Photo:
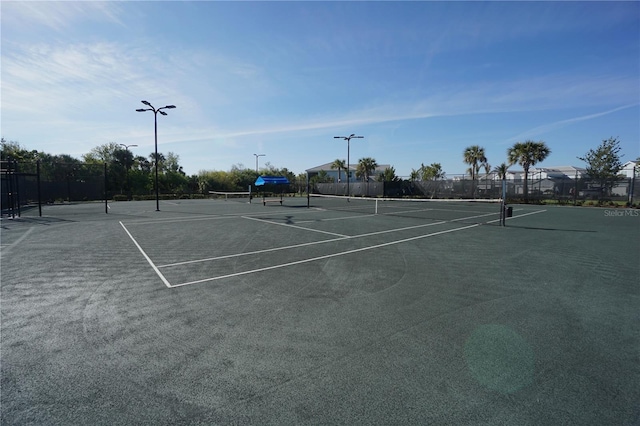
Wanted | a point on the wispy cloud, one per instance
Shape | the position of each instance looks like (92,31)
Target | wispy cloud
(59,15)
(515,96)
(546,128)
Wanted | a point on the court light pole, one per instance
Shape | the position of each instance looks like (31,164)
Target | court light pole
(155,123)
(126,165)
(258,155)
(348,139)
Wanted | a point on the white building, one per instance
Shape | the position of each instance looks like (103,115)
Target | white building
(628,169)
(558,172)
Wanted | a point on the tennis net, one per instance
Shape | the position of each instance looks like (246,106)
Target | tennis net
(241,196)
(454,210)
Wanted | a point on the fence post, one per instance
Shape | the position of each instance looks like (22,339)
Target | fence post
(17,188)
(632,184)
(575,190)
(106,206)
(38,188)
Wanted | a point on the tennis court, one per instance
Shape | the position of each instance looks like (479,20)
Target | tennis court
(221,311)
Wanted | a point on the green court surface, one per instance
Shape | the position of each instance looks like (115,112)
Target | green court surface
(223,312)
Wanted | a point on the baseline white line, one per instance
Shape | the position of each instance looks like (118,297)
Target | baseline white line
(297,227)
(8,247)
(164,280)
(313,259)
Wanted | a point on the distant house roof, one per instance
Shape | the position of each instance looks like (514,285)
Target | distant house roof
(327,168)
(277,180)
(567,170)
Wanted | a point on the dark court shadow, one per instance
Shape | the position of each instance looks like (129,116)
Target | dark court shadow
(550,229)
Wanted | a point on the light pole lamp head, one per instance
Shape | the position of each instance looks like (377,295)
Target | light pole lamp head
(146,103)
(142,110)
(170,106)
(162,112)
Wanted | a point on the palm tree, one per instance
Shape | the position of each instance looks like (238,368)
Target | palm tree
(527,154)
(487,169)
(474,157)
(340,165)
(366,166)
(501,170)
(388,175)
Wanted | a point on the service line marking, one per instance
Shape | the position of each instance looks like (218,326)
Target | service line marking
(169,285)
(327,256)
(332,240)
(297,227)
(520,215)
(341,238)
(164,280)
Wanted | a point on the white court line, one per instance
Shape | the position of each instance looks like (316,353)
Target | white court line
(313,259)
(332,240)
(164,280)
(207,217)
(297,227)
(336,218)
(369,234)
(177,219)
(8,247)
(520,215)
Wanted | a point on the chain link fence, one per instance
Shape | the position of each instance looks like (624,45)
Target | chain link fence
(561,190)
(29,184)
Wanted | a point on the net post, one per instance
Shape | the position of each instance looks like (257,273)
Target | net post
(250,195)
(106,206)
(503,205)
(17,188)
(308,192)
(39,190)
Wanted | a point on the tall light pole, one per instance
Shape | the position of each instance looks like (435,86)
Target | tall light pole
(155,122)
(258,155)
(126,168)
(348,139)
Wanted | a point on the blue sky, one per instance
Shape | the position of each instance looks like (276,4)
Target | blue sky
(420,81)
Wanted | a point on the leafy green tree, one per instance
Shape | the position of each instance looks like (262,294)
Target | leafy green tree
(475,157)
(321,177)
(388,175)
(527,154)
(415,175)
(172,164)
(432,172)
(242,177)
(340,165)
(105,153)
(366,167)
(11,150)
(604,163)
(301,182)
